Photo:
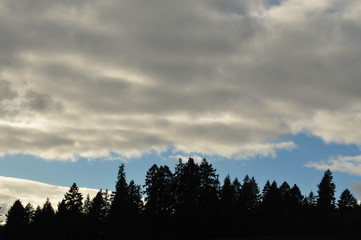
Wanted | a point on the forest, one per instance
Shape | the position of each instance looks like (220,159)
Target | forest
(191,202)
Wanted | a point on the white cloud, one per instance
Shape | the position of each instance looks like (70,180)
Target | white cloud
(98,79)
(32,192)
(346,164)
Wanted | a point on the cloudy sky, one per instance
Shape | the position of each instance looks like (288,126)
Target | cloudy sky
(269,88)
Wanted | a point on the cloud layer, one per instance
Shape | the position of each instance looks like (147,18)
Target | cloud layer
(346,164)
(97,78)
(32,192)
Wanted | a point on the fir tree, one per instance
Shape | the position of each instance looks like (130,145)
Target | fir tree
(29,213)
(250,196)
(347,202)
(208,193)
(70,213)
(326,192)
(16,221)
(135,199)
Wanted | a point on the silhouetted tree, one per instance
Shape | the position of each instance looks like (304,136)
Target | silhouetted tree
(326,192)
(310,201)
(272,207)
(208,189)
(285,192)
(70,213)
(29,213)
(16,221)
(73,201)
(86,205)
(120,212)
(135,199)
(187,184)
(227,197)
(188,204)
(272,199)
(296,199)
(265,190)
(120,204)
(159,192)
(250,196)
(347,202)
(237,197)
(44,221)
(96,216)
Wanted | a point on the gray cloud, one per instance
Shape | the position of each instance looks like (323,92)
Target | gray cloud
(226,78)
(41,102)
(6,91)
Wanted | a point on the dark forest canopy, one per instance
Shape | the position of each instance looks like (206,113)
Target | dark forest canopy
(189,202)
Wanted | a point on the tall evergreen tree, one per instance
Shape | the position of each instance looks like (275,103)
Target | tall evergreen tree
(135,199)
(16,221)
(272,200)
(347,202)
(29,213)
(70,213)
(87,205)
(120,204)
(237,196)
(310,201)
(187,185)
(44,221)
(96,216)
(73,201)
(250,196)
(296,199)
(120,212)
(265,190)
(159,192)
(326,193)
(152,188)
(285,192)
(227,197)
(208,192)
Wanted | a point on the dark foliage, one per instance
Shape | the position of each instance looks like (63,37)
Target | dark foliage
(190,204)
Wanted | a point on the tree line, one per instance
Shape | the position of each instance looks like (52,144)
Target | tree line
(189,202)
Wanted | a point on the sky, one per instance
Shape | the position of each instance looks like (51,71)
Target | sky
(268,88)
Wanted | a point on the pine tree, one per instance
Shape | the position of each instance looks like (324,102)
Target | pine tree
(347,202)
(120,208)
(187,186)
(250,196)
(73,201)
(120,204)
(96,216)
(135,199)
(310,201)
(326,192)
(227,197)
(272,200)
(285,192)
(70,213)
(265,190)
(237,196)
(208,193)
(87,205)
(296,199)
(29,213)
(16,221)
(153,190)
(44,221)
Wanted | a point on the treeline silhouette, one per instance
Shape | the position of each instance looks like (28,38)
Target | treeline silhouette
(189,203)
